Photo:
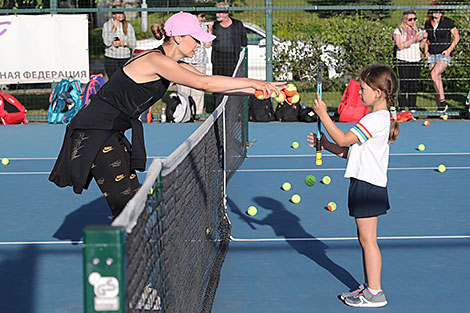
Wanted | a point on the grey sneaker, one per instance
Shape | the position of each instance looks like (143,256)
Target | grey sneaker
(353,293)
(366,300)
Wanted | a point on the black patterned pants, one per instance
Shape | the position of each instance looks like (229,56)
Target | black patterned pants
(111,171)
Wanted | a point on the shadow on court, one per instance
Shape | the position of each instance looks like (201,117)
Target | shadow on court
(17,270)
(94,213)
(287,225)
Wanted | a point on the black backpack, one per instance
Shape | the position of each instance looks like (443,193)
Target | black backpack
(180,108)
(260,110)
(307,115)
(286,112)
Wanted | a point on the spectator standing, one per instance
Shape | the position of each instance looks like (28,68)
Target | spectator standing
(439,49)
(230,37)
(408,39)
(119,40)
(199,62)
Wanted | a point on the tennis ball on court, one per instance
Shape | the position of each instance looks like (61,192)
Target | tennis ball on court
(252,210)
(441,168)
(426,123)
(259,94)
(421,147)
(326,180)
(295,199)
(331,206)
(295,145)
(208,231)
(5,161)
(290,90)
(280,98)
(294,98)
(445,117)
(310,180)
(286,186)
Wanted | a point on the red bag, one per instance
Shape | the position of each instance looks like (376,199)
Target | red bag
(11,110)
(351,109)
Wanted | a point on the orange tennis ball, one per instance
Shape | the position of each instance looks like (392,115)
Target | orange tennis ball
(259,94)
(426,123)
(290,90)
(293,99)
(281,97)
(331,206)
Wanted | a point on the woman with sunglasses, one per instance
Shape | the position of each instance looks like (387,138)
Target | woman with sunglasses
(408,40)
(439,48)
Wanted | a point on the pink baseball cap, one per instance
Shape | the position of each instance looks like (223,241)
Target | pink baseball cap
(182,23)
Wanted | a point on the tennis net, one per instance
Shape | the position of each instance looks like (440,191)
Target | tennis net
(177,227)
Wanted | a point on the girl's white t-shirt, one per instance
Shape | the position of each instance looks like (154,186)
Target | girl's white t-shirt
(410,54)
(368,158)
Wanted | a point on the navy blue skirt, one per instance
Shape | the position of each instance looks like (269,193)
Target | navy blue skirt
(367,200)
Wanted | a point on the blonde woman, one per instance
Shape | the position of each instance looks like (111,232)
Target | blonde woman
(408,39)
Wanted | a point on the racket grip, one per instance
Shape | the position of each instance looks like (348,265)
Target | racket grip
(318,160)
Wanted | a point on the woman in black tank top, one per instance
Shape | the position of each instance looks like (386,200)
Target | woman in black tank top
(94,144)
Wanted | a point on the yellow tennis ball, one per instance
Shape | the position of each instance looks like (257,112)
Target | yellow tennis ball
(286,186)
(331,206)
(5,161)
(252,210)
(273,94)
(295,145)
(421,147)
(326,180)
(280,98)
(441,168)
(295,198)
(445,117)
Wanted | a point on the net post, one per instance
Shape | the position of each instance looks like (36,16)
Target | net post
(104,269)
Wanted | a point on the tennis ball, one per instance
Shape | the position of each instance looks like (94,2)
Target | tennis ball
(5,161)
(290,90)
(208,231)
(295,145)
(273,94)
(259,94)
(310,180)
(426,123)
(151,191)
(280,98)
(252,210)
(294,98)
(295,199)
(286,186)
(326,180)
(331,206)
(441,168)
(421,147)
(445,117)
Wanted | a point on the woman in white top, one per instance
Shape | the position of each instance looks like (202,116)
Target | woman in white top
(409,40)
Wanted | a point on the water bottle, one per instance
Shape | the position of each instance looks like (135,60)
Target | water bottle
(163,117)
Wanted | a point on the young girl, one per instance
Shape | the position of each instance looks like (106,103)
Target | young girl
(366,147)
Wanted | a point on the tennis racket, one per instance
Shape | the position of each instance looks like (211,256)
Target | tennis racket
(318,160)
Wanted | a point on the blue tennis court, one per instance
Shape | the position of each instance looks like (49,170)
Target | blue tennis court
(287,258)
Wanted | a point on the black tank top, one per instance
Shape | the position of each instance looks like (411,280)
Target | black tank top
(130,97)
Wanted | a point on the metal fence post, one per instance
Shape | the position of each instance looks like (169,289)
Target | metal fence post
(269,40)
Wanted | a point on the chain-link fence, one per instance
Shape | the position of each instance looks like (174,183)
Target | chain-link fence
(285,40)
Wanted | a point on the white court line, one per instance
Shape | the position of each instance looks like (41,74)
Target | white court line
(343,168)
(11,243)
(332,155)
(345,238)
(284,170)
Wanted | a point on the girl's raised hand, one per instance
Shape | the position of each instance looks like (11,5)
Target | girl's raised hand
(319,106)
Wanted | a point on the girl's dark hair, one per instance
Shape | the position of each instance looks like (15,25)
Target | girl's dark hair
(381,77)
(158,31)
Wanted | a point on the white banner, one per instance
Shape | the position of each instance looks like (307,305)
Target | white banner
(43,48)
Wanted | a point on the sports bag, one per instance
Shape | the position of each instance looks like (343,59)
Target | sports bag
(351,109)
(287,112)
(64,101)
(92,87)
(11,110)
(307,114)
(180,108)
(260,110)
